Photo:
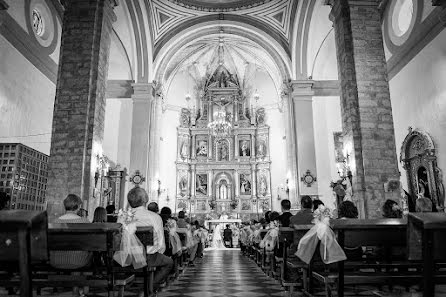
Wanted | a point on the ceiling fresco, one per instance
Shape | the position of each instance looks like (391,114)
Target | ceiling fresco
(170,17)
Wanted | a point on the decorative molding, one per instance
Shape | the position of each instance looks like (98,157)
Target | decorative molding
(422,35)
(29,48)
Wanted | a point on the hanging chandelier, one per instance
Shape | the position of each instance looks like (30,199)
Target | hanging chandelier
(220,127)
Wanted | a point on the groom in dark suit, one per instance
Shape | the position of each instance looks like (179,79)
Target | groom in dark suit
(227,236)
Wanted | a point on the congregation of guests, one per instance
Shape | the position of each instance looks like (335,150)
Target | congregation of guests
(166,247)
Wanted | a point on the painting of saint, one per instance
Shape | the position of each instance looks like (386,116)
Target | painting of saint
(245,185)
(244,148)
(202,148)
(202,184)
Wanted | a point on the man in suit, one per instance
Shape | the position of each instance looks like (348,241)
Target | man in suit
(284,218)
(227,236)
(305,215)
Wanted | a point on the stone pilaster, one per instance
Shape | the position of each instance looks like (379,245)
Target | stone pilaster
(302,96)
(366,108)
(142,99)
(79,108)
(154,144)
(293,183)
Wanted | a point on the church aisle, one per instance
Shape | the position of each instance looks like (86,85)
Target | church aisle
(224,273)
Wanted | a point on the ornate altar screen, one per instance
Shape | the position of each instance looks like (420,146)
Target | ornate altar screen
(229,174)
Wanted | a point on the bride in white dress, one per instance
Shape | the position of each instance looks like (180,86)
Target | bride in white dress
(217,240)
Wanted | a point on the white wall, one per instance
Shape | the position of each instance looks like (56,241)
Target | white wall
(26,100)
(327,120)
(418,94)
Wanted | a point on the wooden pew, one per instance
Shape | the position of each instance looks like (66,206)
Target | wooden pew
(427,243)
(23,240)
(385,233)
(97,237)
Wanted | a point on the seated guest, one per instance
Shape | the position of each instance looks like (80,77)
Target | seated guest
(166,213)
(347,210)
(137,198)
(83,213)
(284,218)
(100,215)
(392,210)
(267,217)
(316,204)
(153,206)
(70,259)
(181,220)
(305,215)
(423,204)
(111,216)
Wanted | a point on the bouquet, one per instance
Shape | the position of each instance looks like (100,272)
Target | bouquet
(321,232)
(132,251)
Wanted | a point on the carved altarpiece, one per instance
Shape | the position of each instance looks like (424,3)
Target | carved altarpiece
(420,162)
(228,174)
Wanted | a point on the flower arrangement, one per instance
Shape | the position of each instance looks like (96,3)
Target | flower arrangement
(212,204)
(126,217)
(233,204)
(322,214)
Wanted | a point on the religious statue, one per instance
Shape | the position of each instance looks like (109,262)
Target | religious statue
(184,117)
(223,191)
(263,186)
(202,149)
(184,150)
(244,149)
(260,115)
(261,149)
(183,186)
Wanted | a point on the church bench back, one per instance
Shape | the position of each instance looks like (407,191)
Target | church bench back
(94,237)
(371,232)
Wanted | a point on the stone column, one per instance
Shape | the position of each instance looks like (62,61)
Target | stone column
(253,146)
(139,145)
(236,184)
(194,149)
(365,103)
(79,108)
(302,96)
(154,144)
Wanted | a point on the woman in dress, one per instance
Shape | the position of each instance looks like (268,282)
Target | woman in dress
(217,240)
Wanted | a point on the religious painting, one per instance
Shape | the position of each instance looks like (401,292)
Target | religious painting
(185,117)
(182,205)
(245,184)
(244,148)
(223,150)
(246,205)
(202,148)
(201,206)
(201,184)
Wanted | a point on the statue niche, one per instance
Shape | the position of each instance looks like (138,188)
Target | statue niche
(424,178)
(223,187)
(222,150)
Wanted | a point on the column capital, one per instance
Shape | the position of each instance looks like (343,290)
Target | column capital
(142,92)
(302,88)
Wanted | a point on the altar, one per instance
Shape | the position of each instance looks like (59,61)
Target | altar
(210,224)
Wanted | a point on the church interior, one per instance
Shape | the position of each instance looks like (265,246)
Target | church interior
(222,113)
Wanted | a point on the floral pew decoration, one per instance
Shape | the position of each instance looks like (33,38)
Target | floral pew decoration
(321,232)
(132,251)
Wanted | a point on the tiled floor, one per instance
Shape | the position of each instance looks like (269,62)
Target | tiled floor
(227,273)
(224,273)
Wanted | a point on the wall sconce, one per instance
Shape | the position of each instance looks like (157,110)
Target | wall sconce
(343,166)
(159,190)
(102,167)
